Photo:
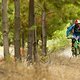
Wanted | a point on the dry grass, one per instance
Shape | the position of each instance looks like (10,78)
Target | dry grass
(60,68)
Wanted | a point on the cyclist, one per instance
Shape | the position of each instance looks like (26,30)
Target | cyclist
(74,30)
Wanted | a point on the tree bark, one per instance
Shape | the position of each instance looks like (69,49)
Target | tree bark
(22,43)
(30,32)
(23,39)
(44,31)
(5,28)
(35,46)
(17,29)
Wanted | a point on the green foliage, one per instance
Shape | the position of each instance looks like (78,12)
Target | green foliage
(11,38)
(24,13)
(69,11)
(59,40)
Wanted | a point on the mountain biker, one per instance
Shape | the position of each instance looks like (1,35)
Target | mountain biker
(74,30)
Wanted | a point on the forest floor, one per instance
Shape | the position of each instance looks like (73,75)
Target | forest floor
(61,66)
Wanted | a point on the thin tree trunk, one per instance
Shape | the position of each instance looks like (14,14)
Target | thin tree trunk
(31,31)
(35,46)
(5,28)
(44,31)
(17,29)
(23,39)
(22,44)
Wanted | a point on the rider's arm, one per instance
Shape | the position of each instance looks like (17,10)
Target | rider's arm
(69,29)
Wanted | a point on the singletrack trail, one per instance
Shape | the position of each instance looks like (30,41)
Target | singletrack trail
(66,52)
(63,52)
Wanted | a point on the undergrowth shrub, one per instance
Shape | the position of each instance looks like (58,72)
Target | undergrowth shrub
(59,41)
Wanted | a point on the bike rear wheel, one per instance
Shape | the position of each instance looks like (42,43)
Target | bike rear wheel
(75,51)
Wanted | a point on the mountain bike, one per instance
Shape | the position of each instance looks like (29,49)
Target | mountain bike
(76,48)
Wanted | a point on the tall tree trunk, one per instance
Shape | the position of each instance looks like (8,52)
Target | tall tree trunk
(17,29)
(5,28)
(35,46)
(44,31)
(22,41)
(31,31)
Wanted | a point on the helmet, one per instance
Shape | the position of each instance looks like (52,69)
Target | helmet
(77,21)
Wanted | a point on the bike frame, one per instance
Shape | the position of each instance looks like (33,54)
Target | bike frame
(76,50)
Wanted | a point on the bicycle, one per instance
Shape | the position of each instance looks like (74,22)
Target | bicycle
(76,46)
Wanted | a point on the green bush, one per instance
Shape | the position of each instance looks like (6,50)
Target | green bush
(59,40)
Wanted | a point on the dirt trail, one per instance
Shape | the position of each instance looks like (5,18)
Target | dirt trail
(66,52)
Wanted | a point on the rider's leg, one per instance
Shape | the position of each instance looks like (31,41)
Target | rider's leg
(73,49)
(73,41)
